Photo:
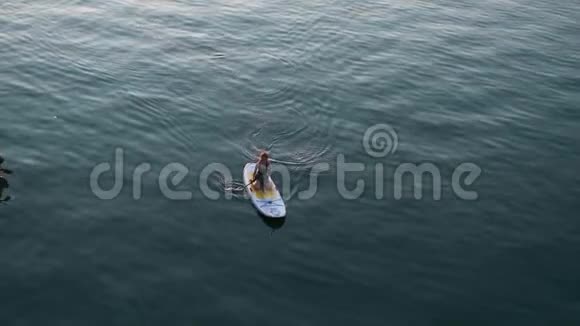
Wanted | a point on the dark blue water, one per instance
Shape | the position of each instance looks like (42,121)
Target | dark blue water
(491,83)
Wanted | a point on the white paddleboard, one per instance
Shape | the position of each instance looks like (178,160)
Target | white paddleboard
(269,202)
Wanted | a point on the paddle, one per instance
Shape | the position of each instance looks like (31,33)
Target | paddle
(250,183)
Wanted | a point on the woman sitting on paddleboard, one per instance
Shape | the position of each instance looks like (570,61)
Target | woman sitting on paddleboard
(262,171)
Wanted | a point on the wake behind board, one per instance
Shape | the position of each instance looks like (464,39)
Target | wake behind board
(269,202)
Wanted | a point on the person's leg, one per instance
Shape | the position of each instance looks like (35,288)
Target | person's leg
(261,181)
(266,183)
(257,179)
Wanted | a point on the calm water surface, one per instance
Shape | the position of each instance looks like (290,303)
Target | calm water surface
(495,83)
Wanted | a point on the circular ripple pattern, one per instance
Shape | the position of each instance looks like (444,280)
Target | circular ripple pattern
(199,82)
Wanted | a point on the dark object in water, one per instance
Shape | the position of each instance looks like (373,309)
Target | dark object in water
(3,185)
(1,159)
(273,223)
